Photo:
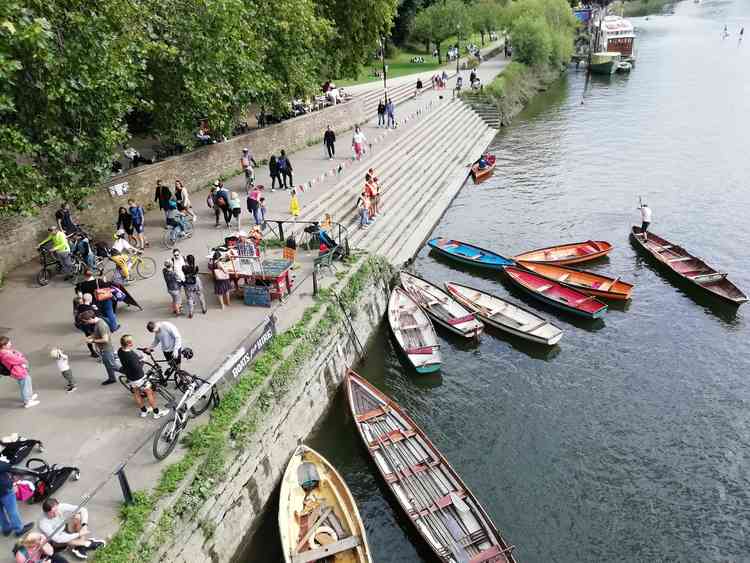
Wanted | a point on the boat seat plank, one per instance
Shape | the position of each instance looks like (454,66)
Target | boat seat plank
(423,350)
(311,528)
(531,328)
(606,287)
(374,413)
(413,469)
(412,326)
(393,436)
(460,320)
(327,551)
(544,288)
(442,502)
(491,554)
(683,259)
(662,248)
(564,277)
(711,275)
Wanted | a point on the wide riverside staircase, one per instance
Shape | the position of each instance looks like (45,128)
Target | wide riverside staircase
(401,93)
(485,107)
(420,173)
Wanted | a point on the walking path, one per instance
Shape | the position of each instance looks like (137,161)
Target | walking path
(96,427)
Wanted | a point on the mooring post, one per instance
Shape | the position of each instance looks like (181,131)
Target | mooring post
(127,494)
(315,281)
(281,230)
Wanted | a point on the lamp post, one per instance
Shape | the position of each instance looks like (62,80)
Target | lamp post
(382,58)
(458,46)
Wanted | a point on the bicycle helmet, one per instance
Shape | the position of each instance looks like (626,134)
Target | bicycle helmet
(187,353)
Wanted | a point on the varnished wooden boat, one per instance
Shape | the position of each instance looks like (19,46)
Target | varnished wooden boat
(441,307)
(414,332)
(556,294)
(443,510)
(688,268)
(468,253)
(480,175)
(504,315)
(562,254)
(591,284)
(318,518)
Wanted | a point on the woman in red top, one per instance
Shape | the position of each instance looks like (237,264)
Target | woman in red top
(371,193)
(18,366)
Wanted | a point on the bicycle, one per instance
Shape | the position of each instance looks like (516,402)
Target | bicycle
(143,266)
(51,265)
(171,235)
(168,435)
(173,374)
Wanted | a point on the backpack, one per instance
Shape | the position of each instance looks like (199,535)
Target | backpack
(281,163)
(3,369)
(221,202)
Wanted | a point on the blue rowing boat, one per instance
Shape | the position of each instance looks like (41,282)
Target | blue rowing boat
(469,254)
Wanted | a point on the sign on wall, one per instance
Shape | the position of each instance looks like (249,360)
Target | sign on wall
(118,190)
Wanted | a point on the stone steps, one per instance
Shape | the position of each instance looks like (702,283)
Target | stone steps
(340,200)
(485,107)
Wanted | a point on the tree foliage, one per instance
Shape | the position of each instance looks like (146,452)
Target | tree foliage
(542,31)
(438,22)
(486,16)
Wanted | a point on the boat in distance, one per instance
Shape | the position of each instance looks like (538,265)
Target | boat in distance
(685,266)
(573,253)
(318,518)
(433,496)
(505,316)
(481,174)
(556,294)
(441,307)
(414,332)
(468,253)
(590,283)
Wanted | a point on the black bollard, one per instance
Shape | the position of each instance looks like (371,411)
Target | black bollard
(127,494)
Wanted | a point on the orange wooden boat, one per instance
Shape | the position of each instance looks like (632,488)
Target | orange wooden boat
(568,253)
(481,175)
(591,284)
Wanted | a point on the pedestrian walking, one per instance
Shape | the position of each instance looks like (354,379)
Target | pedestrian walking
(235,208)
(14,364)
(162,195)
(358,142)
(263,210)
(294,204)
(285,169)
(253,204)
(222,203)
(193,286)
(102,338)
(182,197)
(390,110)
(137,216)
(247,162)
(329,140)
(63,365)
(64,220)
(273,170)
(419,87)
(140,386)
(381,113)
(173,287)
(101,292)
(125,223)
(222,284)
(82,304)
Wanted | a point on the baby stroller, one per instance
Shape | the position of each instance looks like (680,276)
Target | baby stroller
(45,479)
(325,238)
(14,450)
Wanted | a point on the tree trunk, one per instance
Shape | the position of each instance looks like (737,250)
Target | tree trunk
(481,33)
(440,53)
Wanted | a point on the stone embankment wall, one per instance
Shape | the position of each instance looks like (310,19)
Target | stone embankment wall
(231,514)
(19,235)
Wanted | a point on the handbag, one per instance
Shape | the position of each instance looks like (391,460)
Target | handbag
(102,293)
(220,274)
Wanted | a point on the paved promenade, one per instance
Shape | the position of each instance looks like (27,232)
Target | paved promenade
(96,427)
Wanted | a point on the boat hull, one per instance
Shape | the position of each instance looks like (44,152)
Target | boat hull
(564,254)
(413,332)
(468,254)
(586,282)
(480,176)
(604,69)
(673,257)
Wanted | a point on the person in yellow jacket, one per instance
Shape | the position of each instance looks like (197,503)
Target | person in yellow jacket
(294,205)
(61,248)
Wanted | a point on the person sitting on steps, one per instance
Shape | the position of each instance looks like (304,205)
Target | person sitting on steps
(67,528)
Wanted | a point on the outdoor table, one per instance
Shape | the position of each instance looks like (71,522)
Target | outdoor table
(274,273)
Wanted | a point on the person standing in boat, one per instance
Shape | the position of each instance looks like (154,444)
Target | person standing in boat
(645,219)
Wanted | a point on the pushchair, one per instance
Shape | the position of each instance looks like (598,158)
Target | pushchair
(39,479)
(14,450)
(325,238)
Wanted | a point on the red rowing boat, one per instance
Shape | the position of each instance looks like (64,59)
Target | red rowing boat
(481,174)
(573,253)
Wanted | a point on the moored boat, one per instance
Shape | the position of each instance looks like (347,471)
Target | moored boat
(556,294)
(592,284)
(432,495)
(687,267)
(573,253)
(604,63)
(318,518)
(505,316)
(441,307)
(468,253)
(414,332)
(481,174)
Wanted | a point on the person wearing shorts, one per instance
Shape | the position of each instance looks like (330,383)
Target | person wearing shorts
(140,385)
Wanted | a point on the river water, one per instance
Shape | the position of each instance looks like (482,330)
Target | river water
(629,441)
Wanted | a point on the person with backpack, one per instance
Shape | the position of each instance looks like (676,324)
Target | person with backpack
(285,169)
(222,202)
(15,365)
(162,195)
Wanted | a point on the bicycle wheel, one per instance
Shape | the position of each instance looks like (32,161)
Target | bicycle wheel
(202,404)
(169,239)
(42,278)
(146,267)
(167,437)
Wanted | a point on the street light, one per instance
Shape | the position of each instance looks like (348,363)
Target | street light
(458,46)
(382,58)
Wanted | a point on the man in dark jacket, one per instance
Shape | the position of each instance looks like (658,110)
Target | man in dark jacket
(162,195)
(329,138)
(10,520)
(284,166)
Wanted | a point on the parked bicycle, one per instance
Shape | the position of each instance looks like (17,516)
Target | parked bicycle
(173,234)
(168,435)
(173,373)
(52,266)
(144,267)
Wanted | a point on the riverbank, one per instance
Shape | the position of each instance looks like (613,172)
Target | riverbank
(639,8)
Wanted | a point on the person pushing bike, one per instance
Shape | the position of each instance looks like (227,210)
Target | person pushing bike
(169,338)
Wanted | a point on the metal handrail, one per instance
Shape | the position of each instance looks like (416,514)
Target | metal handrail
(343,232)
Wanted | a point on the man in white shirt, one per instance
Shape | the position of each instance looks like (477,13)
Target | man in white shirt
(122,245)
(64,527)
(170,339)
(645,219)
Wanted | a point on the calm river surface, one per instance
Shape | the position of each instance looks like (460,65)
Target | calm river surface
(629,441)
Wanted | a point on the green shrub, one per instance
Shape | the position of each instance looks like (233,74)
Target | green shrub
(531,41)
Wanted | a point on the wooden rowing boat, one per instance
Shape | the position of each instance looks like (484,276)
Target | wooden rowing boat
(468,253)
(480,175)
(688,268)
(414,332)
(318,518)
(556,294)
(441,307)
(442,508)
(568,253)
(505,316)
(591,284)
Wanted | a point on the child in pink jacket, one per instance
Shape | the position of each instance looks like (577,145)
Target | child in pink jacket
(15,362)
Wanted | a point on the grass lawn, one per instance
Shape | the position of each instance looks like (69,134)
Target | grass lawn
(401,64)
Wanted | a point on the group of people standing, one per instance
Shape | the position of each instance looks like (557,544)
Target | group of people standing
(182,274)
(368,203)
(386,114)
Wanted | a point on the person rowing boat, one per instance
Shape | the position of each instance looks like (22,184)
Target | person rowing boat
(645,219)
(482,162)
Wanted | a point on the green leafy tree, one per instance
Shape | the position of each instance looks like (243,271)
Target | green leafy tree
(358,25)
(542,31)
(531,41)
(442,20)
(403,22)
(69,71)
(486,16)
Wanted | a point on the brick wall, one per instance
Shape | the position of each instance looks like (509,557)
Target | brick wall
(19,236)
